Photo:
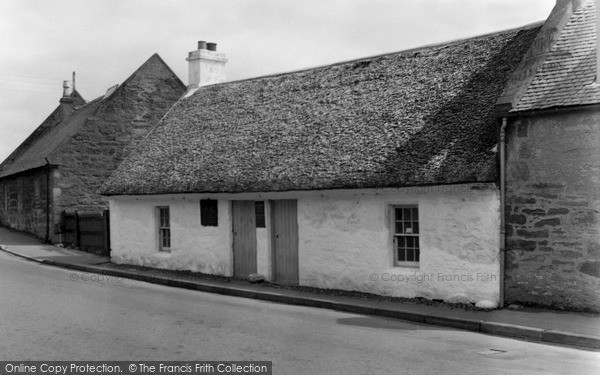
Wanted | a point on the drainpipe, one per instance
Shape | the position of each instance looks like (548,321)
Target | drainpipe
(47,200)
(502,208)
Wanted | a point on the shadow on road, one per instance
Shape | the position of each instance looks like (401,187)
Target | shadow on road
(384,323)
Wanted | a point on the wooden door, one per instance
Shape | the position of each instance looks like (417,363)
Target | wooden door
(244,238)
(284,223)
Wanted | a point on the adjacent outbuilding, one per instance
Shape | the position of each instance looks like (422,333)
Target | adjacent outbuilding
(61,165)
(553,164)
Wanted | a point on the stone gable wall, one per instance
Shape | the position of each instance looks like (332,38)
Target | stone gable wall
(553,211)
(91,155)
(88,158)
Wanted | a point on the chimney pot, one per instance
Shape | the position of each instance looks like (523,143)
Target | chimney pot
(66,91)
(66,102)
(205,66)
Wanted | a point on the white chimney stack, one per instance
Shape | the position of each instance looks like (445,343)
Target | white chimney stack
(206,66)
(66,89)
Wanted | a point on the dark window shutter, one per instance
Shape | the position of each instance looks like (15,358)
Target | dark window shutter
(209,213)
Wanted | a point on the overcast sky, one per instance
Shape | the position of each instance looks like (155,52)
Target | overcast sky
(42,42)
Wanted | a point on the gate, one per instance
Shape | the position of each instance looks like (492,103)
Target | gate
(88,231)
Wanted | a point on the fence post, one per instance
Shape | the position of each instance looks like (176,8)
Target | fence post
(62,226)
(77,230)
(106,229)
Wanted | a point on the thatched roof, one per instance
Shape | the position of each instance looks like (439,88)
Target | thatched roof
(418,117)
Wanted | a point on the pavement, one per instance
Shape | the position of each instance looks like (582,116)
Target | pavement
(579,330)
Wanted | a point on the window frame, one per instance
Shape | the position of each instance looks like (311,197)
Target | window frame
(10,189)
(260,217)
(396,236)
(161,228)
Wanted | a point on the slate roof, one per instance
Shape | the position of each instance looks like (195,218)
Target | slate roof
(44,144)
(567,75)
(32,152)
(418,117)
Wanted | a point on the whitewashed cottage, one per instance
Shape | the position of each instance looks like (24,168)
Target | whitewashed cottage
(377,175)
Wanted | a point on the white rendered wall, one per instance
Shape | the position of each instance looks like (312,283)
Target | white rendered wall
(263,246)
(134,236)
(345,242)
(345,239)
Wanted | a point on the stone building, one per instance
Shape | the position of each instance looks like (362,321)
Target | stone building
(61,165)
(553,165)
(376,175)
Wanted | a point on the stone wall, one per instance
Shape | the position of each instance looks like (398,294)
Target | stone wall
(553,211)
(86,158)
(23,203)
(104,140)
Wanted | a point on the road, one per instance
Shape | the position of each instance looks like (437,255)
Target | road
(48,313)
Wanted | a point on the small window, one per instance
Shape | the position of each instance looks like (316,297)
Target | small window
(209,213)
(259,210)
(164,229)
(406,236)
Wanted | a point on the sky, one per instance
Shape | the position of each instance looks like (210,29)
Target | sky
(104,41)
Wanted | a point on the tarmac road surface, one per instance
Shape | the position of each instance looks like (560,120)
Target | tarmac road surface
(48,313)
